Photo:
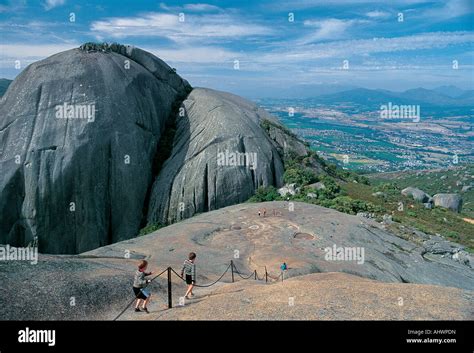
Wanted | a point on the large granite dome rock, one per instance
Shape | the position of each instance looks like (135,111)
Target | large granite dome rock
(203,173)
(78,135)
(88,155)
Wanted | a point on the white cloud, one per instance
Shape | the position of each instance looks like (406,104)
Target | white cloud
(329,29)
(378,14)
(285,5)
(169,26)
(201,7)
(28,53)
(352,48)
(195,55)
(450,9)
(12,5)
(50,4)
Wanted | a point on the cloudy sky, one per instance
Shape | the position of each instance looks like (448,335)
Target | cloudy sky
(396,44)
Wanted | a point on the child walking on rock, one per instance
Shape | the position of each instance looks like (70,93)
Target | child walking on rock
(189,270)
(139,284)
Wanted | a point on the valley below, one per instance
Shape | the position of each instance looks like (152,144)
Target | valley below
(356,137)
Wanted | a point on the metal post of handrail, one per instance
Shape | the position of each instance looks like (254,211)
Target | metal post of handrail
(170,295)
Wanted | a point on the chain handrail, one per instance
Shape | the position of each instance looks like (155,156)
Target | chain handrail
(146,285)
(230,266)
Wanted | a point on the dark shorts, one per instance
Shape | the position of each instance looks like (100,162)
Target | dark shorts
(139,294)
(189,279)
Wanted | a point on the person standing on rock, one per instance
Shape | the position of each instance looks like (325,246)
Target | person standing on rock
(189,270)
(139,285)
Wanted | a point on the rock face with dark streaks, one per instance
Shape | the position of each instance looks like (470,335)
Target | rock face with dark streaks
(220,156)
(83,137)
(78,135)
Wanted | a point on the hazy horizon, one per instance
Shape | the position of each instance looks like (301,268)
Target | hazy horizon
(277,94)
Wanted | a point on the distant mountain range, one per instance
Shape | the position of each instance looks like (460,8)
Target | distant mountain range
(443,96)
(303,91)
(450,91)
(369,98)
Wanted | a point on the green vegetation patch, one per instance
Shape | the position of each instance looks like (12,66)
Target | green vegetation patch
(150,228)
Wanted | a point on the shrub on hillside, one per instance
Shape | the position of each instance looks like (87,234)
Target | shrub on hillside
(263,194)
(387,188)
(348,205)
(267,125)
(150,228)
(300,176)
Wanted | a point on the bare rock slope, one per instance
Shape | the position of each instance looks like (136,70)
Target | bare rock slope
(428,277)
(220,156)
(325,296)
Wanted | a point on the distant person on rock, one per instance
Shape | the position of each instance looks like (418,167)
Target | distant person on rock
(283,268)
(139,284)
(259,213)
(189,270)
(264,212)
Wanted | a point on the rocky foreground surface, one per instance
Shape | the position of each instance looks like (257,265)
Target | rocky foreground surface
(323,296)
(397,279)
